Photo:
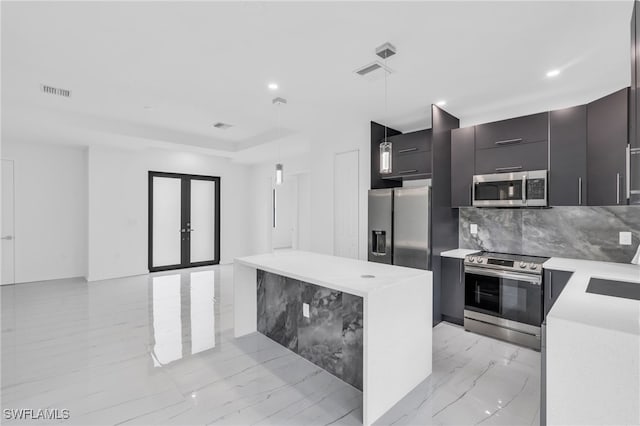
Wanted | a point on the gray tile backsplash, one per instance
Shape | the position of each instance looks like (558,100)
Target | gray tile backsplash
(574,232)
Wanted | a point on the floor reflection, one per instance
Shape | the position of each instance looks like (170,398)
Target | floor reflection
(182,315)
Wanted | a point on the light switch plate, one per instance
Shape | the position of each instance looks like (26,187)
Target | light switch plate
(305,310)
(625,238)
(473,228)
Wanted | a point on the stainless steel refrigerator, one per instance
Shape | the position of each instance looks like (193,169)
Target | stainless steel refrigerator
(399,226)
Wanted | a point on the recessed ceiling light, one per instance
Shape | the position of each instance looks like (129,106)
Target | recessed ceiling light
(553,73)
(441,103)
(273,86)
(148,107)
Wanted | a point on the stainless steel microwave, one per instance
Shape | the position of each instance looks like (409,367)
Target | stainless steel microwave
(517,189)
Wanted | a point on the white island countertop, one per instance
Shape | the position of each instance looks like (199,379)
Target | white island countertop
(338,273)
(593,348)
(397,316)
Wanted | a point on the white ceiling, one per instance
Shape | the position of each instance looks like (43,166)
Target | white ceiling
(199,63)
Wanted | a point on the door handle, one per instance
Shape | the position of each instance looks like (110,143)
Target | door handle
(7,237)
(617,188)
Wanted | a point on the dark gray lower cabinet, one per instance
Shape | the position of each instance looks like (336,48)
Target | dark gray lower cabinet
(568,156)
(462,166)
(512,158)
(452,290)
(554,283)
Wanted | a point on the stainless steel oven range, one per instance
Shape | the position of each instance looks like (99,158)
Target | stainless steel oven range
(504,297)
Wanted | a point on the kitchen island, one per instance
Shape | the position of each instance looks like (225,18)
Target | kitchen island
(367,323)
(593,348)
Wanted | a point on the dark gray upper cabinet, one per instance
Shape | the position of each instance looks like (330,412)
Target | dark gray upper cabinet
(607,139)
(568,156)
(452,290)
(411,142)
(512,158)
(554,283)
(462,165)
(411,155)
(520,130)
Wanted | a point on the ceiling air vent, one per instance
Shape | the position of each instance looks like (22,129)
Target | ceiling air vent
(50,90)
(222,126)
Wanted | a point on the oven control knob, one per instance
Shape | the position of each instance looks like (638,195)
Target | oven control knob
(534,267)
(472,259)
(523,265)
(480,260)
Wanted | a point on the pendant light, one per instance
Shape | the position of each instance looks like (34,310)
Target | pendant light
(279,168)
(386,165)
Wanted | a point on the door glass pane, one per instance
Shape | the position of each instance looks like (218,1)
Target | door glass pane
(203,215)
(7,231)
(166,221)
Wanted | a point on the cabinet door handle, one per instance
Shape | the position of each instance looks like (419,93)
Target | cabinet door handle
(508,141)
(407,171)
(470,194)
(550,285)
(407,150)
(461,281)
(524,189)
(579,191)
(504,169)
(628,170)
(617,188)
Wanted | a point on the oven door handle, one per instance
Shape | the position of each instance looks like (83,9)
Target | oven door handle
(533,279)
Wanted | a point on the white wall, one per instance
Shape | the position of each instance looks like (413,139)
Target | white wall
(351,136)
(50,210)
(118,206)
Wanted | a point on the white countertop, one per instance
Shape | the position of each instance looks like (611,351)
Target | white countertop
(575,304)
(593,349)
(339,273)
(459,253)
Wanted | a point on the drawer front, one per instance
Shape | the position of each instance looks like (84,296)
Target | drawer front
(515,131)
(407,143)
(514,158)
(411,164)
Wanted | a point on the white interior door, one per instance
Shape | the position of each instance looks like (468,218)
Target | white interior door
(167,221)
(203,213)
(346,204)
(7,231)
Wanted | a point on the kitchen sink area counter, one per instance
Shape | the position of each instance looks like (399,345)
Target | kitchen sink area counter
(310,296)
(593,348)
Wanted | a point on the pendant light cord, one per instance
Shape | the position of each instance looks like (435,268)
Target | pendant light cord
(386,108)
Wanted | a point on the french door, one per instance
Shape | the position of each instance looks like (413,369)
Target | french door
(184,221)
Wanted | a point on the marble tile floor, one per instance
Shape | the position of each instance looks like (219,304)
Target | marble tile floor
(159,349)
